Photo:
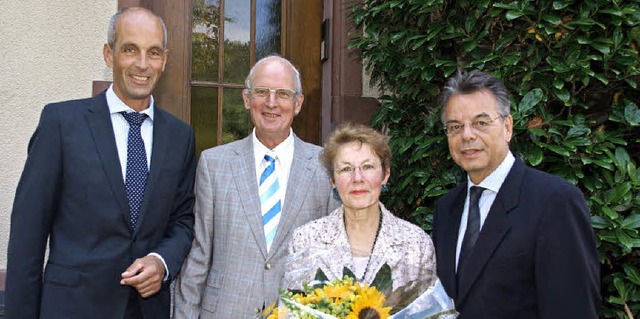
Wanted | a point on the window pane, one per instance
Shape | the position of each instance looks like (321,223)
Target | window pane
(206,17)
(235,118)
(268,14)
(237,35)
(204,117)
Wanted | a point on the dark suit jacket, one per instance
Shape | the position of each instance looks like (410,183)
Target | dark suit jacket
(535,256)
(72,192)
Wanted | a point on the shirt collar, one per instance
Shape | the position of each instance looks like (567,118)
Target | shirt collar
(116,105)
(494,181)
(279,151)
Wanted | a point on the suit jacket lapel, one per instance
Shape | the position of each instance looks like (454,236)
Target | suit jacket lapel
(302,169)
(449,235)
(243,169)
(494,229)
(99,121)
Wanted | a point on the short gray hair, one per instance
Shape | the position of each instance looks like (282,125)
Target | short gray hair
(474,81)
(297,82)
(111,32)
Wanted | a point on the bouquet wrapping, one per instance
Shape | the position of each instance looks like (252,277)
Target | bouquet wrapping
(314,288)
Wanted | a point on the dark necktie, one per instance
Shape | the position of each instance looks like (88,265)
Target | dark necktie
(473,227)
(137,171)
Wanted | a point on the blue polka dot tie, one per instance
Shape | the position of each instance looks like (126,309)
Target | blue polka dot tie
(137,170)
(270,200)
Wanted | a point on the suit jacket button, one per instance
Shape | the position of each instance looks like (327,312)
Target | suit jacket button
(267,266)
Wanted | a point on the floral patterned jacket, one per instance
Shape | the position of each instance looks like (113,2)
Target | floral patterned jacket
(323,243)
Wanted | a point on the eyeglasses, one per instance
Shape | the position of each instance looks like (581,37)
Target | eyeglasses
(263,93)
(481,124)
(365,169)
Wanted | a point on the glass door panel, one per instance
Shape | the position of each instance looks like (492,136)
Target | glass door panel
(227,37)
(204,117)
(268,21)
(235,118)
(204,47)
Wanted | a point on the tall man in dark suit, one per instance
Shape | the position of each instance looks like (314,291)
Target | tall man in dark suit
(114,196)
(512,241)
(250,196)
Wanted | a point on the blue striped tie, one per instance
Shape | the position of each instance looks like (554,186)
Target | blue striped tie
(270,200)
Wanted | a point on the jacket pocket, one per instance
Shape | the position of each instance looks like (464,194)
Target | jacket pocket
(62,275)
(212,291)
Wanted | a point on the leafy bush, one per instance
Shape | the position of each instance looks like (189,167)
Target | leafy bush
(572,69)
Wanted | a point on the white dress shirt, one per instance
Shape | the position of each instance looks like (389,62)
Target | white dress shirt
(284,158)
(121,132)
(491,184)
(121,128)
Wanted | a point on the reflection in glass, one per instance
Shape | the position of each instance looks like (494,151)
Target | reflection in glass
(235,118)
(205,33)
(207,37)
(268,14)
(204,117)
(237,36)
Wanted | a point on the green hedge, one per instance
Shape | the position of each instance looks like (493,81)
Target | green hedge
(572,69)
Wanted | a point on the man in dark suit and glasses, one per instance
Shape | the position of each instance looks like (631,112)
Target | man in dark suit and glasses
(108,182)
(511,241)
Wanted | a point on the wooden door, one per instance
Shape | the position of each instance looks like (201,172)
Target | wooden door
(213,44)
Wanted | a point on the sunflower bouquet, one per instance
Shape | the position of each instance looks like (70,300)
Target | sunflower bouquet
(340,298)
(343,297)
(348,299)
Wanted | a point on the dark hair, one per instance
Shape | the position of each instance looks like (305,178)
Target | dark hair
(470,82)
(348,133)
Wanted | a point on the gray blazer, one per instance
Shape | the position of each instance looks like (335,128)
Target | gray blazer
(228,273)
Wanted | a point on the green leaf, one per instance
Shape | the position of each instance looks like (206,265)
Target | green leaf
(620,287)
(505,6)
(531,99)
(610,212)
(604,48)
(614,195)
(552,18)
(346,272)
(598,222)
(631,222)
(557,149)
(561,4)
(383,281)
(633,274)
(621,159)
(513,14)
(321,277)
(558,84)
(624,238)
(632,114)
(535,156)
(563,95)
(396,36)
(578,130)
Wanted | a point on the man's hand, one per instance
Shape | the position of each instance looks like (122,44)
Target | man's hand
(145,274)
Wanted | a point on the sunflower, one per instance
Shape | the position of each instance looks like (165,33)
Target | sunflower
(338,291)
(369,305)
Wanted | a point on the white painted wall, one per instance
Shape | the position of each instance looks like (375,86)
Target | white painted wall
(49,51)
